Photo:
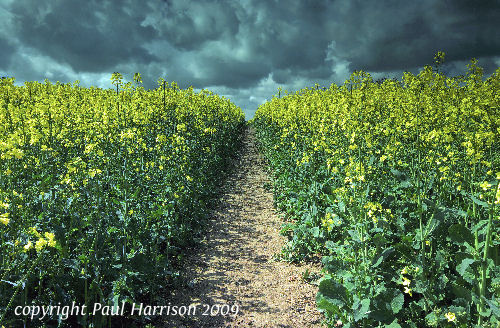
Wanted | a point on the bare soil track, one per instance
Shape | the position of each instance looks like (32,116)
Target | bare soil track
(236,261)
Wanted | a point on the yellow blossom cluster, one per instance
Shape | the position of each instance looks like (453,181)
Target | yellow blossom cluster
(330,220)
(46,239)
(364,129)
(4,218)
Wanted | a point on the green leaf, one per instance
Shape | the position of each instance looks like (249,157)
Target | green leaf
(315,232)
(494,306)
(432,319)
(479,202)
(460,234)
(371,160)
(397,303)
(383,256)
(379,240)
(330,199)
(459,256)
(134,196)
(354,235)
(331,294)
(386,304)
(405,184)
(324,305)
(480,227)
(341,206)
(361,309)
(404,249)
(394,324)
(432,224)
(461,292)
(398,174)
(331,245)
(462,267)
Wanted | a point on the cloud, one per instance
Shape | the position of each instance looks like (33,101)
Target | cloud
(6,53)
(243,48)
(188,25)
(105,34)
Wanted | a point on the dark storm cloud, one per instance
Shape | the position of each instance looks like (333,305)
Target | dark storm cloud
(397,36)
(276,36)
(245,49)
(291,36)
(188,25)
(284,76)
(232,73)
(90,36)
(7,50)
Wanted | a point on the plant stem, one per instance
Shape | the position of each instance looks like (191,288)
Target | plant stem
(86,295)
(484,266)
(19,284)
(419,203)
(477,286)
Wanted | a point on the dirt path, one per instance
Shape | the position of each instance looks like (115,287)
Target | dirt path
(236,263)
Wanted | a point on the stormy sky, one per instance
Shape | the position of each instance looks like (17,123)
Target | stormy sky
(244,49)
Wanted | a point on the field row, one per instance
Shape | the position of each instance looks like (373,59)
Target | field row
(102,190)
(396,185)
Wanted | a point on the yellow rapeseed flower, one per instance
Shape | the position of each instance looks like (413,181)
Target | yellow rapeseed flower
(497,201)
(28,245)
(50,239)
(33,231)
(40,244)
(93,172)
(485,185)
(4,218)
(450,316)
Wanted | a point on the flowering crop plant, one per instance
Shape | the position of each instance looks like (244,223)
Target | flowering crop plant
(101,190)
(396,186)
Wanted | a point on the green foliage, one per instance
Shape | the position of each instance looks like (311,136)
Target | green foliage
(100,193)
(396,185)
